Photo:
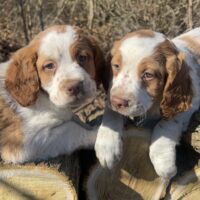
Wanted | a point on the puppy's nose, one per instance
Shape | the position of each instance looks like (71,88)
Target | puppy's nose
(118,102)
(75,88)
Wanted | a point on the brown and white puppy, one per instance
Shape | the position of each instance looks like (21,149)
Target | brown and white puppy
(39,85)
(158,80)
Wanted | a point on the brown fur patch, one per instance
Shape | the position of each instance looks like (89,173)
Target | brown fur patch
(22,81)
(45,75)
(95,65)
(154,86)
(116,60)
(193,46)
(178,90)
(10,132)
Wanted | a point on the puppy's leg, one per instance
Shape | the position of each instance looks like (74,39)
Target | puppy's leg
(108,145)
(166,135)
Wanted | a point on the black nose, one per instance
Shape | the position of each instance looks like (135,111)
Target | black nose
(118,102)
(74,88)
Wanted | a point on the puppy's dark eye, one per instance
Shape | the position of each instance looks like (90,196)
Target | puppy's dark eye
(49,66)
(116,67)
(147,76)
(82,58)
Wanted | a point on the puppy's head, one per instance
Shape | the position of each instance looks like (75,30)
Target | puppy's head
(62,61)
(148,70)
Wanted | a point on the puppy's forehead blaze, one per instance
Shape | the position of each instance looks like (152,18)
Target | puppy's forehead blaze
(130,48)
(139,34)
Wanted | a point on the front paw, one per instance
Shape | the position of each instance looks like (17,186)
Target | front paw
(164,162)
(108,147)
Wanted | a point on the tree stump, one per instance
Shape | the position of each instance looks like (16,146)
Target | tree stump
(55,179)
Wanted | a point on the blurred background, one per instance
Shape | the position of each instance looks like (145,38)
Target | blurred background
(107,20)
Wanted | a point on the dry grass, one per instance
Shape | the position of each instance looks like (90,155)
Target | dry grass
(106,19)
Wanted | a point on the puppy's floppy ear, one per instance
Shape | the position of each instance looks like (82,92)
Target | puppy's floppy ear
(22,81)
(178,91)
(102,69)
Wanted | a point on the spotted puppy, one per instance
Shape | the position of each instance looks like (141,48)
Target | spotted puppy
(159,80)
(39,86)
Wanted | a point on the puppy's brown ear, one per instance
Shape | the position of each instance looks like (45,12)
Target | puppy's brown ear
(102,74)
(178,91)
(22,81)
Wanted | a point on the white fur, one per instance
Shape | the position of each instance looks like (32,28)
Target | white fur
(49,127)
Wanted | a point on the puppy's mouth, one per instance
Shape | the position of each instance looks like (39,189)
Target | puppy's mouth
(133,111)
(136,113)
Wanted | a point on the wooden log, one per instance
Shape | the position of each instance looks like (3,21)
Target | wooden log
(192,135)
(133,177)
(186,187)
(53,179)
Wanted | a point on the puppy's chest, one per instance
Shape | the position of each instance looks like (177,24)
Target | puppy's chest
(35,121)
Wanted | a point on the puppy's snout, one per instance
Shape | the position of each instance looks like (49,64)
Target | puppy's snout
(74,88)
(118,102)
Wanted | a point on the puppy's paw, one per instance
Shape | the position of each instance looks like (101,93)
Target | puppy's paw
(164,162)
(108,147)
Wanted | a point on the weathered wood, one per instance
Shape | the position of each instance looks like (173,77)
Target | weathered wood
(134,176)
(192,136)
(186,187)
(53,179)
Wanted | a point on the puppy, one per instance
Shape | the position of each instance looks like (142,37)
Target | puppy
(40,84)
(158,80)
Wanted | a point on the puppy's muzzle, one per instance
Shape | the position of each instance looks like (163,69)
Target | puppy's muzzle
(119,103)
(74,88)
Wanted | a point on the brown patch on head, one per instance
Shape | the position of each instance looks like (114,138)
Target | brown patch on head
(10,133)
(193,45)
(116,62)
(153,85)
(45,74)
(22,81)
(87,48)
(167,79)
(178,90)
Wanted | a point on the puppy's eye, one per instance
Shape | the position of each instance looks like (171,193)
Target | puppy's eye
(147,76)
(49,66)
(82,58)
(116,67)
